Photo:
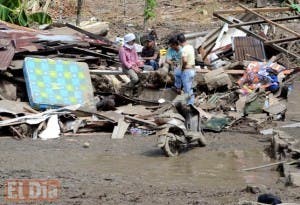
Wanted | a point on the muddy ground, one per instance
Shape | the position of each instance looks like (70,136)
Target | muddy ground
(135,171)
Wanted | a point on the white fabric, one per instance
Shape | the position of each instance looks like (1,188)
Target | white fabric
(129,46)
(129,37)
(52,130)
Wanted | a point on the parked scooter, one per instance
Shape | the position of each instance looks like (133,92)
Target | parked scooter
(180,128)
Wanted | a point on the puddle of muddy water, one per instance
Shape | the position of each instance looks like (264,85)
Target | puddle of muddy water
(195,168)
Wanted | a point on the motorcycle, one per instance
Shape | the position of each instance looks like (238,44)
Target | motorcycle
(179,128)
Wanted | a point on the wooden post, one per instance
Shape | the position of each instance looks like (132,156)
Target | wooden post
(79,6)
(282,40)
(263,21)
(145,21)
(124,15)
(257,36)
(271,22)
(239,11)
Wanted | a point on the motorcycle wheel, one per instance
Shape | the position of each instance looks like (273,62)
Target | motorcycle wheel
(171,148)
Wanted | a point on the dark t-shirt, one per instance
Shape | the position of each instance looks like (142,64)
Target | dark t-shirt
(149,52)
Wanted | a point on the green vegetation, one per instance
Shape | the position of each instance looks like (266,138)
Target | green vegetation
(149,11)
(15,11)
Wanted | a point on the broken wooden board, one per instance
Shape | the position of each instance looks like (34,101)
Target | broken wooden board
(240,104)
(120,130)
(276,109)
(15,107)
(235,115)
(144,122)
(264,10)
(112,115)
(231,72)
(217,78)
(259,118)
(134,110)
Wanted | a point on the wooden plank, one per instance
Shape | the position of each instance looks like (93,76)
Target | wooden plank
(120,130)
(145,122)
(232,72)
(258,37)
(113,72)
(209,51)
(91,35)
(211,37)
(282,40)
(93,53)
(238,11)
(263,21)
(271,22)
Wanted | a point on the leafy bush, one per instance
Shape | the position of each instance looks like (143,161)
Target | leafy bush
(149,9)
(15,11)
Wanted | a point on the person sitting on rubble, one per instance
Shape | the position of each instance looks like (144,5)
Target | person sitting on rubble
(153,33)
(187,67)
(173,59)
(129,59)
(150,53)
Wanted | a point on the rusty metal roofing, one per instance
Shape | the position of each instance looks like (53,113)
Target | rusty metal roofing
(16,39)
(248,48)
(6,55)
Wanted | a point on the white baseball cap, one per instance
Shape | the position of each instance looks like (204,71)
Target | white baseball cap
(129,37)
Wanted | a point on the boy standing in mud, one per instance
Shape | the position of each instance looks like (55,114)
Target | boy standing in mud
(173,59)
(188,67)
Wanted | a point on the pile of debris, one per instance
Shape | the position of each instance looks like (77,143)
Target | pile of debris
(76,74)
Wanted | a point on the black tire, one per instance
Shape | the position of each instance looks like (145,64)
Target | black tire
(171,148)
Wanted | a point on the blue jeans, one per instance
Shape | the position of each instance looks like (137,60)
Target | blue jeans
(187,77)
(177,76)
(153,63)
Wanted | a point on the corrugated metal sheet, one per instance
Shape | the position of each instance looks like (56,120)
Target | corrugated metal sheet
(22,39)
(248,48)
